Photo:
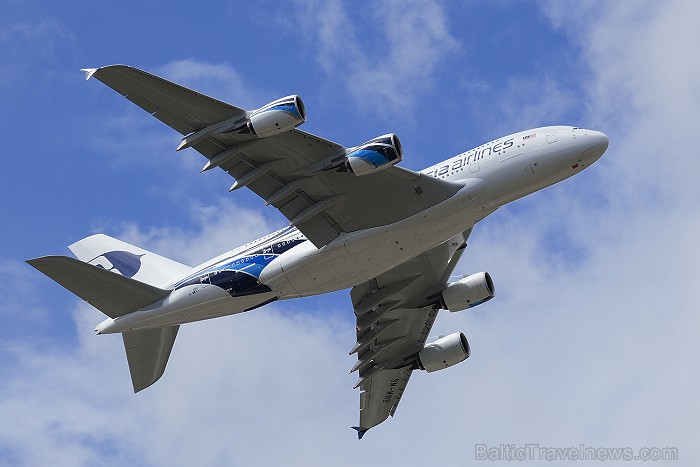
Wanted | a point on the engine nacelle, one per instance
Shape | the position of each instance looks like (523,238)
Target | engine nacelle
(375,155)
(276,117)
(444,352)
(469,292)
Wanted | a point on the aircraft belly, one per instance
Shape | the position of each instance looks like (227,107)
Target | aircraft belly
(362,256)
(229,306)
(187,304)
(324,271)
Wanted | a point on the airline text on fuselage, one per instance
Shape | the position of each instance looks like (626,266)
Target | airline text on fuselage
(469,157)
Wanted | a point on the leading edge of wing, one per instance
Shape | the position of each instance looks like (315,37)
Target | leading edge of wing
(280,168)
(324,204)
(181,108)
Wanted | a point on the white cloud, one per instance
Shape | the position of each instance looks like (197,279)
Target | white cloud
(601,353)
(30,47)
(219,80)
(130,137)
(645,92)
(219,228)
(76,407)
(386,73)
(40,36)
(16,286)
(524,102)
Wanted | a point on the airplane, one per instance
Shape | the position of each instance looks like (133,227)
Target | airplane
(357,220)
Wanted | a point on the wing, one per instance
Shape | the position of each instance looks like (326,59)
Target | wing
(285,169)
(180,108)
(395,313)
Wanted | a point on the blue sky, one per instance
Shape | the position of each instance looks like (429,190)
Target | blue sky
(590,339)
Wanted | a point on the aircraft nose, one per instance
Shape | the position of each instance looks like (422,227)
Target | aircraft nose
(598,142)
(601,140)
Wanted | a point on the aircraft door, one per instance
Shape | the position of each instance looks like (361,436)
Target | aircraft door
(204,280)
(551,137)
(474,166)
(268,253)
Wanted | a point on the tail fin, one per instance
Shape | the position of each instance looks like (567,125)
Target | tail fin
(137,283)
(147,352)
(128,260)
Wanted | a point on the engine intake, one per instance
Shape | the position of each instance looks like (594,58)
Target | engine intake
(469,292)
(444,352)
(276,117)
(375,155)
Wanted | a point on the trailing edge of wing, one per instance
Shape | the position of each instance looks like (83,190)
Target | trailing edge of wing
(394,317)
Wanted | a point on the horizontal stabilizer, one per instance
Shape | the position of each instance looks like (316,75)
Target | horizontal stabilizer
(147,352)
(113,294)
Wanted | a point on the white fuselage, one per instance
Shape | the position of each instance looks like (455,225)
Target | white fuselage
(285,265)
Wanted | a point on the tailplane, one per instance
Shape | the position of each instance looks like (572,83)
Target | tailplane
(112,294)
(118,278)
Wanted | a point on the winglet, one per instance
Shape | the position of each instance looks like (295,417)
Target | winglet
(360,431)
(89,72)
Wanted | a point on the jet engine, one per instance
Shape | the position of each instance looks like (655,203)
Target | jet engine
(469,292)
(276,117)
(375,155)
(444,352)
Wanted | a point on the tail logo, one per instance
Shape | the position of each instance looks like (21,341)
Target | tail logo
(125,263)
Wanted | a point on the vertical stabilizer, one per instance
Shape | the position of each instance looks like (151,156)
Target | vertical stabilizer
(147,352)
(128,260)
